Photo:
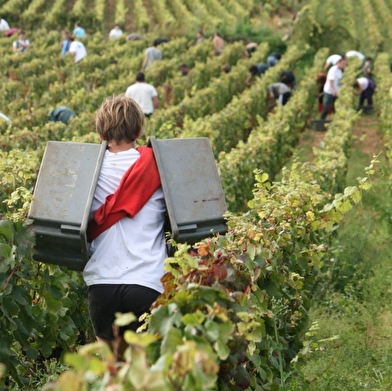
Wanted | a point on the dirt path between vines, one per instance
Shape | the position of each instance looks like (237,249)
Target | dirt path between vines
(366,134)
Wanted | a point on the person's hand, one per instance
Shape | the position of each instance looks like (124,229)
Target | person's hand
(249,81)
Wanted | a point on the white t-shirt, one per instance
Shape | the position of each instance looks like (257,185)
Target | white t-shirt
(133,250)
(142,93)
(18,45)
(278,89)
(4,26)
(153,54)
(335,74)
(333,59)
(354,53)
(78,48)
(115,33)
(363,83)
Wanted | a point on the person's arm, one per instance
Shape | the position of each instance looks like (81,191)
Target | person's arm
(73,54)
(333,89)
(155,102)
(214,45)
(144,63)
(270,92)
(360,89)
(271,101)
(18,47)
(168,93)
(248,81)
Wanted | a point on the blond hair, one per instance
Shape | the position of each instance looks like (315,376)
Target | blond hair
(120,119)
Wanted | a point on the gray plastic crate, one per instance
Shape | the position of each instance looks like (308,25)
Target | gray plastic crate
(367,110)
(67,180)
(193,191)
(320,124)
(62,201)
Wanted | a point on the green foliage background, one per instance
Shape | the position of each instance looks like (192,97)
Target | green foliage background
(233,315)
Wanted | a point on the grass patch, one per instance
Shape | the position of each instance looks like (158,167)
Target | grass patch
(353,299)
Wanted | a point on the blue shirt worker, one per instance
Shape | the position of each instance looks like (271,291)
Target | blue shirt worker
(65,43)
(255,71)
(79,32)
(273,59)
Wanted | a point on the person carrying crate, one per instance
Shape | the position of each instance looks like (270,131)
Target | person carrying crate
(126,232)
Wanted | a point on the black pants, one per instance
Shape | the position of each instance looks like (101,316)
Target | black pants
(104,300)
(367,94)
(285,97)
